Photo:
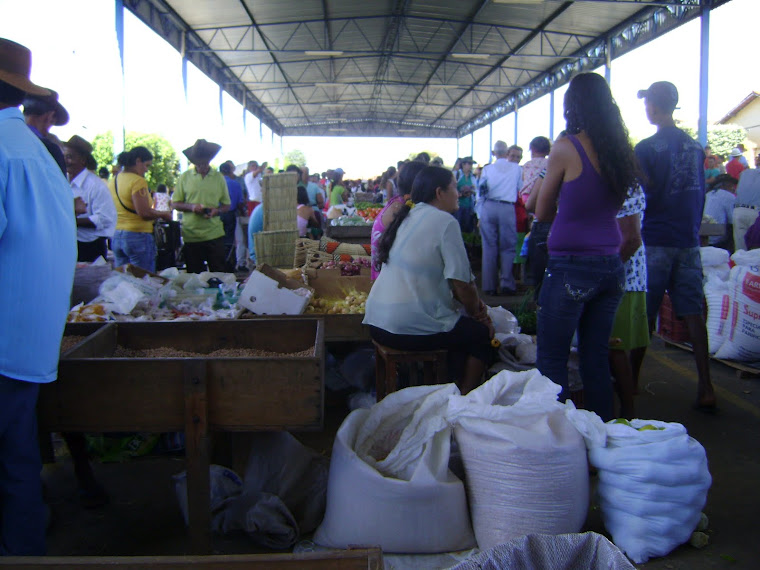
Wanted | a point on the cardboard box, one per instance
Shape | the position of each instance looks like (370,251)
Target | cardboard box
(329,283)
(269,291)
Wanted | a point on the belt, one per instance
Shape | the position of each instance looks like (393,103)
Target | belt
(499,201)
(746,206)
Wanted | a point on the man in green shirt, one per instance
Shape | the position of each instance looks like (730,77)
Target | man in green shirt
(201,194)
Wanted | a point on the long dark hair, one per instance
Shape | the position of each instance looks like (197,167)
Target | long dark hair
(426,180)
(589,107)
(134,153)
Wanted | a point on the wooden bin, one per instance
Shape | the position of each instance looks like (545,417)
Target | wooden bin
(279,199)
(275,248)
(96,392)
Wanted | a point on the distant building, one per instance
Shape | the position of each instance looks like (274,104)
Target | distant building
(746,114)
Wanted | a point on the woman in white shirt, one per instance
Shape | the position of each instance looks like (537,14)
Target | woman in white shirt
(412,305)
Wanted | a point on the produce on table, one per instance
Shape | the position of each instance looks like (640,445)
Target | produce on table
(347,268)
(352,304)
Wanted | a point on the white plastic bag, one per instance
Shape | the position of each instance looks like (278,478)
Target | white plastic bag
(717,295)
(503,321)
(742,340)
(389,482)
(525,462)
(652,484)
(713,256)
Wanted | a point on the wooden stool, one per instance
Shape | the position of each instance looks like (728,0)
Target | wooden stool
(434,364)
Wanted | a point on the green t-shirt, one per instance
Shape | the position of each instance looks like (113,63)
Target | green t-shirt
(465,180)
(336,196)
(211,192)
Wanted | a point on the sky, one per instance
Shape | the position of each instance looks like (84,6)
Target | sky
(75,52)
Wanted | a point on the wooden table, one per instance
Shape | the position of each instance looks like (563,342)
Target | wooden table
(98,393)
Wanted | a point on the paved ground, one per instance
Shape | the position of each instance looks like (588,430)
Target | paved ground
(143,518)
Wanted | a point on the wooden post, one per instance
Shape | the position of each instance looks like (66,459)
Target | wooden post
(197,454)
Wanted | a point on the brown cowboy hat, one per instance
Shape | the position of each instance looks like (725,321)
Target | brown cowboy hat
(51,101)
(202,151)
(79,144)
(16,66)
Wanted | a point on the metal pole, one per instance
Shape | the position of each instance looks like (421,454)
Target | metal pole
(515,123)
(120,135)
(457,147)
(490,137)
(472,143)
(551,115)
(704,56)
(221,105)
(608,61)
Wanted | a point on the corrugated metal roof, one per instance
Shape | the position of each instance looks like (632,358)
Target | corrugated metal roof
(400,67)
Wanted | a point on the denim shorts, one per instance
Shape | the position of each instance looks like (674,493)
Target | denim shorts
(137,248)
(678,271)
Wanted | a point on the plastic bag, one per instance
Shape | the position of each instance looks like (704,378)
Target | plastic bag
(503,321)
(742,340)
(525,463)
(717,295)
(224,484)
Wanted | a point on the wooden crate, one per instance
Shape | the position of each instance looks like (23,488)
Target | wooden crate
(275,248)
(669,326)
(279,199)
(96,392)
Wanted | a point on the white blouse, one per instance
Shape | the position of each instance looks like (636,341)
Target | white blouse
(412,295)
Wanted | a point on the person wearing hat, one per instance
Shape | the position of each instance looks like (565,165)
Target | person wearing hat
(38,256)
(98,223)
(734,167)
(497,194)
(338,193)
(674,186)
(41,113)
(201,195)
(466,185)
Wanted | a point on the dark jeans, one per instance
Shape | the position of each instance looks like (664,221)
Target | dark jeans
(22,511)
(465,217)
(229,219)
(199,253)
(538,253)
(89,251)
(583,293)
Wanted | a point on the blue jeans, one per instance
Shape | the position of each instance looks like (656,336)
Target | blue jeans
(583,293)
(137,248)
(22,511)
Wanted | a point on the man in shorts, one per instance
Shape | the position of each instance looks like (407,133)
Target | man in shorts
(674,184)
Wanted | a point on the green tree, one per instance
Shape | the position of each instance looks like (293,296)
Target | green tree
(296,157)
(720,138)
(165,167)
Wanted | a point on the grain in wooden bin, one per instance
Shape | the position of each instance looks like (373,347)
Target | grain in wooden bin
(279,199)
(276,248)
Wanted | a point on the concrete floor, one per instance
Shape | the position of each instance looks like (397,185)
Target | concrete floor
(143,519)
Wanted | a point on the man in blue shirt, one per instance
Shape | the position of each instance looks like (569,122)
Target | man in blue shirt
(37,254)
(255,225)
(230,217)
(674,184)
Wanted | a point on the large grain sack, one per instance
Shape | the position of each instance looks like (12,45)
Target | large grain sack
(718,297)
(390,483)
(653,482)
(742,340)
(525,462)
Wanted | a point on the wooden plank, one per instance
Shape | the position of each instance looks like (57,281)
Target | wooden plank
(197,453)
(743,369)
(354,559)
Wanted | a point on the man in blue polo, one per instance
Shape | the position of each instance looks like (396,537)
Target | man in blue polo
(674,184)
(38,252)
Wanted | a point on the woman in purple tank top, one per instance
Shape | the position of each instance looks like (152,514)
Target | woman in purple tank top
(587,179)
(406,176)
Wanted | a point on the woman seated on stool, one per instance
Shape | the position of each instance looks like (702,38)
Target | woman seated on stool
(425,268)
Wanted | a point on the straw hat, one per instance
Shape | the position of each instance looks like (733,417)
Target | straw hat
(202,151)
(16,66)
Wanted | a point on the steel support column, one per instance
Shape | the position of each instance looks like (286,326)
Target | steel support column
(515,124)
(551,114)
(608,60)
(119,138)
(704,56)
(472,144)
(490,136)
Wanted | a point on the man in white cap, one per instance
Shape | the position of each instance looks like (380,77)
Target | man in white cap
(497,194)
(674,184)
(38,255)
(201,194)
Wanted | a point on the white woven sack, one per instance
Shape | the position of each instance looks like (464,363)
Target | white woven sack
(525,462)
(717,294)
(742,340)
(713,256)
(652,486)
(418,505)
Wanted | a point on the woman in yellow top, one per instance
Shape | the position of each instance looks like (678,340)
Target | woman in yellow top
(133,240)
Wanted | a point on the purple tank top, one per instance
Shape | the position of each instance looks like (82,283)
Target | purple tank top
(586,222)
